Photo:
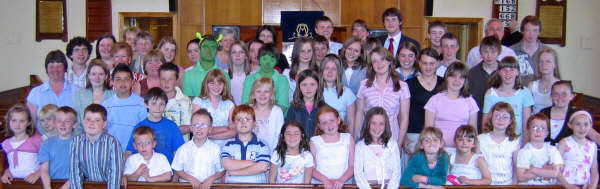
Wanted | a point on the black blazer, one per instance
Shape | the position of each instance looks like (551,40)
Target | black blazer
(404,38)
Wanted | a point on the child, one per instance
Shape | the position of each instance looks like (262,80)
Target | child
(96,156)
(55,150)
(428,167)
(307,101)
(579,153)
(377,157)
(303,58)
(193,79)
(335,94)
(435,31)
(238,69)
(21,146)
(291,162)
(354,60)
(450,47)
(538,163)
(466,166)
(146,165)
(47,117)
(216,99)
(333,149)
(269,117)
(268,58)
(168,136)
(506,86)
(198,160)
(480,74)
(546,75)
(499,142)
(324,27)
(179,106)
(125,109)
(245,157)
(407,58)
(320,47)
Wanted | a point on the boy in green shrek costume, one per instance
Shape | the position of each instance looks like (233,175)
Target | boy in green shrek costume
(192,79)
(267,58)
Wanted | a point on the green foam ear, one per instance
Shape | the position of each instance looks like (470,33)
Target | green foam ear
(219,38)
(199,36)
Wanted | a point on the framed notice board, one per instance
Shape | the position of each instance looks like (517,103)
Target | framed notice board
(51,20)
(505,10)
(553,16)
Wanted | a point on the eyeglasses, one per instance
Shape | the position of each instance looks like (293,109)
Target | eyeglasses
(244,119)
(538,128)
(200,126)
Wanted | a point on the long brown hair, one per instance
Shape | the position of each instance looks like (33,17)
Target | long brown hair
(361,60)
(101,64)
(298,100)
(327,109)
(281,148)
(216,74)
(294,68)
(246,62)
(507,62)
(510,131)
(18,108)
(391,72)
(460,69)
(364,131)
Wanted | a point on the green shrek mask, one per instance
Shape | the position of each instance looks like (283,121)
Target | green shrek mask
(208,50)
(267,64)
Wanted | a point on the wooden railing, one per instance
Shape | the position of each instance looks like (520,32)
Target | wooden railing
(20,184)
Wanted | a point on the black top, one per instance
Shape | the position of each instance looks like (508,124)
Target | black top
(564,132)
(478,85)
(418,98)
(403,38)
(282,64)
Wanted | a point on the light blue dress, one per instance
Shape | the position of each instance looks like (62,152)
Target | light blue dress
(339,103)
(521,99)
(220,114)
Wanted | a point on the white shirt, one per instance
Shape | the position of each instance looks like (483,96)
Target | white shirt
(76,80)
(474,56)
(530,156)
(28,162)
(396,43)
(157,165)
(292,83)
(268,129)
(389,162)
(334,47)
(199,162)
(332,158)
(293,170)
(441,70)
(498,157)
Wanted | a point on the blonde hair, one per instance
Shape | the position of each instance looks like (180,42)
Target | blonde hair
(47,111)
(216,74)
(434,131)
(261,82)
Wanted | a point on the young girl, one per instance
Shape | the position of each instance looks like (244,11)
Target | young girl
(384,88)
(303,58)
(292,162)
(499,142)
(21,146)
(505,86)
(546,75)
(466,166)
(333,149)
(376,157)
(538,163)
(354,61)
(579,154)
(269,117)
(406,58)
(335,93)
(307,101)
(428,167)
(453,106)
(238,69)
(216,99)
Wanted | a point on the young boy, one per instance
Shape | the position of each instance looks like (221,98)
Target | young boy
(450,46)
(55,150)
(95,155)
(179,106)
(320,47)
(245,157)
(78,50)
(168,136)
(198,160)
(324,27)
(435,31)
(125,109)
(538,163)
(46,118)
(481,73)
(147,165)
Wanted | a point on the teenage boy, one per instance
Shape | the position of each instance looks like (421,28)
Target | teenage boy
(528,48)
(392,21)
(198,160)
(481,73)
(96,156)
(360,29)
(125,109)
(147,165)
(168,136)
(495,28)
(449,49)
(324,27)
(55,150)
(320,47)
(245,157)
(435,31)
(78,51)
(179,106)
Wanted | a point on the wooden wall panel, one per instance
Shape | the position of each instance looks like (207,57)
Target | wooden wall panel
(330,7)
(368,10)
(99,19)
(272,10)
(191,11)
(233,12)
(413,19)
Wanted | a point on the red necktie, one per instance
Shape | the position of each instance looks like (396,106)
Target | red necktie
(391,49)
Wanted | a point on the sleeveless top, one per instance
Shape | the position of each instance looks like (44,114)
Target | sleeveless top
(468,170)
(578,161)
(332,158)
(542,100)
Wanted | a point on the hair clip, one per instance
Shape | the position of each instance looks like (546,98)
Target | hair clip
(220,38)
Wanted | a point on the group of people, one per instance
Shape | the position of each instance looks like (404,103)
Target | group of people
(371,111)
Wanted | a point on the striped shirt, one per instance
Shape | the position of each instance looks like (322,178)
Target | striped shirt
(255,150)
(96,161)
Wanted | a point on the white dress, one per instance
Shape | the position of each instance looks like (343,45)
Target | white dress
(332,158)
(499,157)
(293,170)
(578,161)
(542,100)
(468,170)
(268,129)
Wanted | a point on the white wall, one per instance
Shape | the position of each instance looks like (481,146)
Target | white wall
(578,60)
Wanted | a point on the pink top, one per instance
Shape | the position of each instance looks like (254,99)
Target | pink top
(386,98)
(31,145)
(451,113)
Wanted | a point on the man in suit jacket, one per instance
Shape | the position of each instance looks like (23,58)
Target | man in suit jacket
(392,20)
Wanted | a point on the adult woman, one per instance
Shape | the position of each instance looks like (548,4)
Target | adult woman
(253,49)
(384,88)
(407,57)
(103,45)
(152,62)
(238,69)
(96,89)
(354,62)
(225,46)
(267,34)
(303,57)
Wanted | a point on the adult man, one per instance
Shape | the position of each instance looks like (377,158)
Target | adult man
(392,20)
(493,27)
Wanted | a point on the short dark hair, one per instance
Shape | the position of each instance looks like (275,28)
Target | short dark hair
(391,12)
(155,93)
(202,112)
(56,56)
(96,108)
(361,23)
(143,35)
(103,36)
(268,28)
(169,67)
(323,19)
(68,110)
(533,20)
(491,42)
(436,23)
(78,41)
(320,39)
(450,36)
(143,130)
(121,67)
(195,40)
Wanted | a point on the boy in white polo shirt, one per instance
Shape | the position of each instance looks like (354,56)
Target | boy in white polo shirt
(146,165)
